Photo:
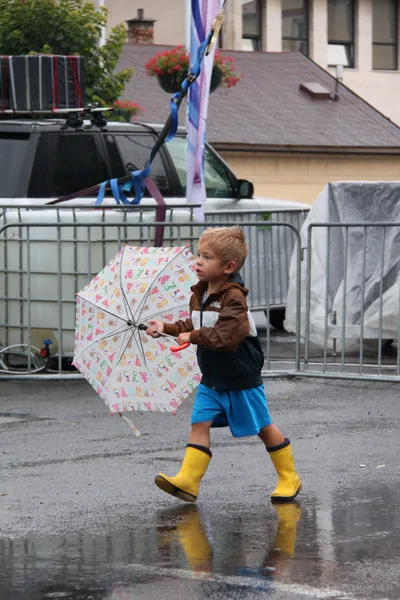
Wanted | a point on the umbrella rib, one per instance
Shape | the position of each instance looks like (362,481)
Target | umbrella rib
(147,293)
(145,359)
(149,372)
(157,314)
(116,332)
(142,305)
(122,289)
(129,341)
(141,348)
(101,308)
(104,337)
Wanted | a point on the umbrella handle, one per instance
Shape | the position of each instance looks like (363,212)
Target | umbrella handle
(131,426)
(179,348)
(144,327)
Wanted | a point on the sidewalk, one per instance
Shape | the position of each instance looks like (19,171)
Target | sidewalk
(68,468)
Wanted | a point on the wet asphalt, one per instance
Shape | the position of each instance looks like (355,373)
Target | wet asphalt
(80,517)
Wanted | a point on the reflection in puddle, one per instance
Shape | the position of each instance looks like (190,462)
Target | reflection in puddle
(192,538)
(315,547)
(184,543)
(229,553)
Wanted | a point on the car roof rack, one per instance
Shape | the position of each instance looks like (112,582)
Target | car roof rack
(74,117)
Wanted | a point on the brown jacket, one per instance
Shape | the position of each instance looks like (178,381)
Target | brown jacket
(228,349)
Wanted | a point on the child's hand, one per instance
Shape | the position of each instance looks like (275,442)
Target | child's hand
(156,329)
(183,338)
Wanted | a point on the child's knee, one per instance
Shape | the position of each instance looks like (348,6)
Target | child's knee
(201,426)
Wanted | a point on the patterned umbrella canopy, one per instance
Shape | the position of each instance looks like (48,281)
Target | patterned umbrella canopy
(130,370)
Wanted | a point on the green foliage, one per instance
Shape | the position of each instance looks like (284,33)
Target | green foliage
(67,27)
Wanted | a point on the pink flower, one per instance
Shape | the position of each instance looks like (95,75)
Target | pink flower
(177,59)
(129,106)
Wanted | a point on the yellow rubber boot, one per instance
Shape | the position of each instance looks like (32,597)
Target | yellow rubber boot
(285,539)
(190,534)
(289,484)
(185,485)
(194,541)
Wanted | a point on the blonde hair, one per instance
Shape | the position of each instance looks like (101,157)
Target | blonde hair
(229,243)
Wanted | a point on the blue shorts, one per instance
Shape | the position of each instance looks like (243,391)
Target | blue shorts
(246,410)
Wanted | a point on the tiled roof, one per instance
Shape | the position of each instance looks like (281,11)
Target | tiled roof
(267,108)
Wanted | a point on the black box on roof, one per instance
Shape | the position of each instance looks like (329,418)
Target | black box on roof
(19,77)
(45,83)
(69,71)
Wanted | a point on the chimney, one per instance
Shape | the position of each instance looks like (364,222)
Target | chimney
(141,30)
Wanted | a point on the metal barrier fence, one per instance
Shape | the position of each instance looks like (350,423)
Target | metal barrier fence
(137,225)
(346,294)
(272,251)
(45,261)
(351,301)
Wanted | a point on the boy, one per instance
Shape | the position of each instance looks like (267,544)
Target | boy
(230,359)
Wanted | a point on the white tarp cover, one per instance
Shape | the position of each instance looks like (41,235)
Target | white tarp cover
(351,202)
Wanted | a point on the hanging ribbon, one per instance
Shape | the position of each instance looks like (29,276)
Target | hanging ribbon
(138,177)
(194,72)
(118,190)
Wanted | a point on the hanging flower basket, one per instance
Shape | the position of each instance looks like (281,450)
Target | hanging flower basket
(172,83)
(125,111)
(171,68)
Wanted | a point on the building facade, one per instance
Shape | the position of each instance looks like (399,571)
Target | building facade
(360,35)
(274,131)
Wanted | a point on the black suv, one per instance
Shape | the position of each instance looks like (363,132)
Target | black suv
(44,159)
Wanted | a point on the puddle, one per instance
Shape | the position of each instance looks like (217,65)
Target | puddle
(341,548)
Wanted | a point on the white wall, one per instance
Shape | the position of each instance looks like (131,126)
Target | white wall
(379,88)
(169,27)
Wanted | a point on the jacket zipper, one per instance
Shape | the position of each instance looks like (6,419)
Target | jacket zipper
(201,312)
(202,305)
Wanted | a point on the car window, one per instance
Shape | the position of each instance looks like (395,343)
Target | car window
(77,165)
(135,151)
(114,156)
(13,152)
(218,184)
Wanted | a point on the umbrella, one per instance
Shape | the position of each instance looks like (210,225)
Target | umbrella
(130,370)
